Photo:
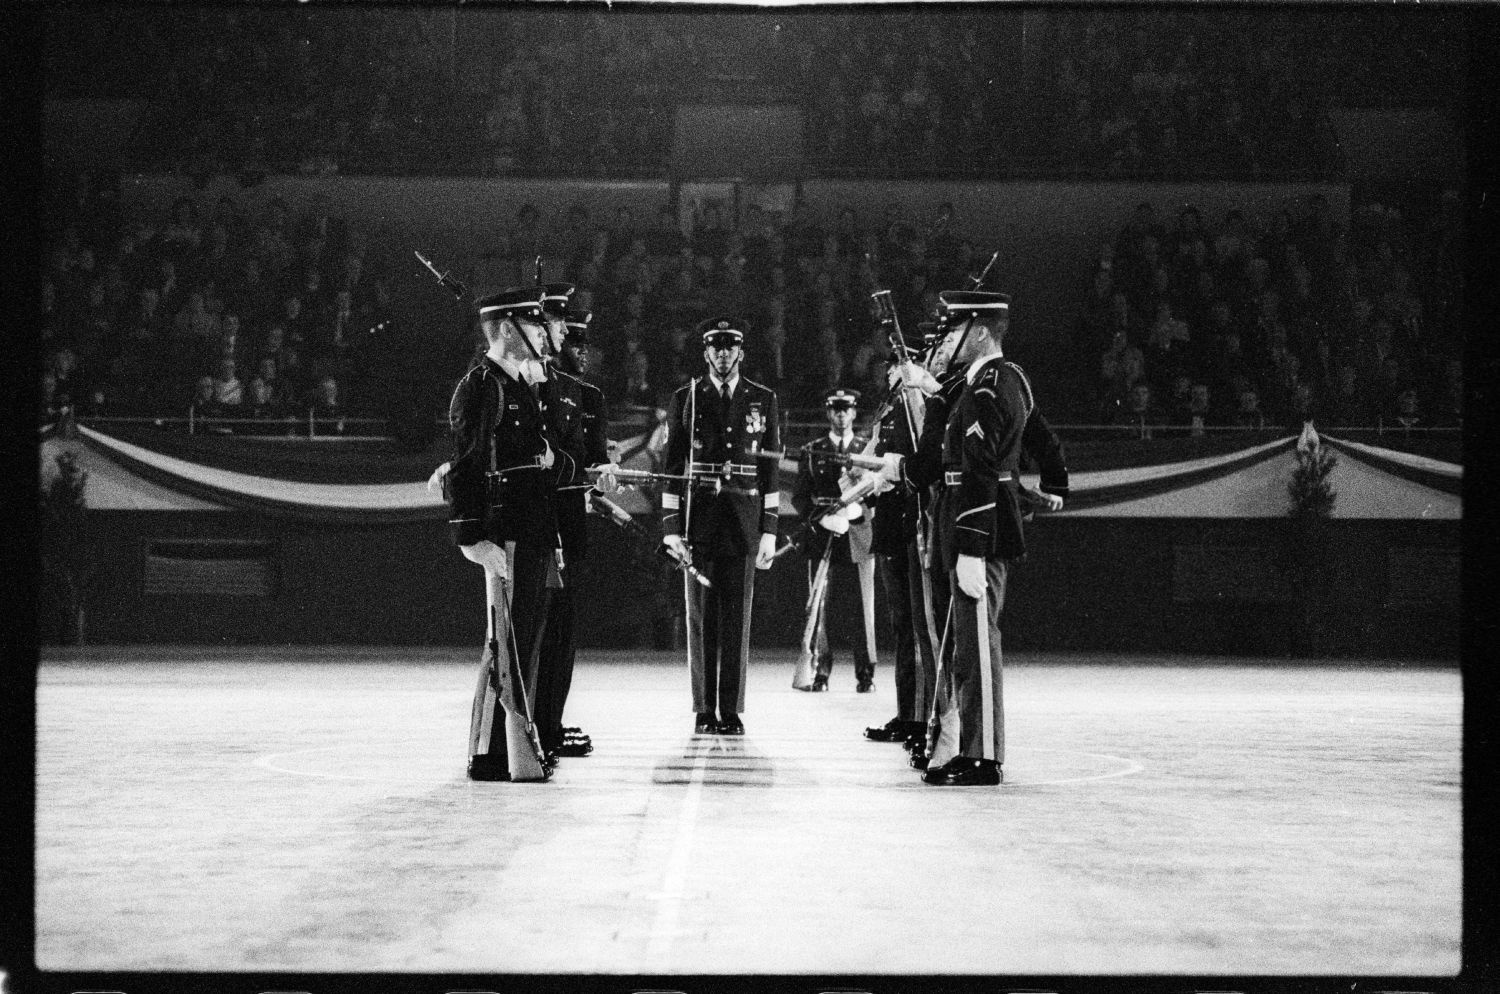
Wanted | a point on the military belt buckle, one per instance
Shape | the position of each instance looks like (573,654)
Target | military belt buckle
(727,470)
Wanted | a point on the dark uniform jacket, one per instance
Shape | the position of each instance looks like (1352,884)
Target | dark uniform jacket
(890,532)
(578,420)
(994,420)
(734,497)
(923,469)
(818,484)
(495,486)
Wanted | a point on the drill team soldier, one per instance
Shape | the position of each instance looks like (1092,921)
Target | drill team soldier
(979,516)
(579,420)
(921,476)
(843,535)
(506,463)
(898,513)
(722,518)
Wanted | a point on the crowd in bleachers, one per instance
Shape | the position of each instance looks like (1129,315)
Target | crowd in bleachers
(212,309)
(1159,92)
(1231,323)
(262,313)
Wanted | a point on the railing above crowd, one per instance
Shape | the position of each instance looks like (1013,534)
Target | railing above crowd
(797,427)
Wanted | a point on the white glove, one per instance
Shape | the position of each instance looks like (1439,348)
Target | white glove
(918,378)
(605,481)
(678,548)
(489,555)
(767,553)
(891,471)
(835,522)
(547,458)
(435,481)
(972,579)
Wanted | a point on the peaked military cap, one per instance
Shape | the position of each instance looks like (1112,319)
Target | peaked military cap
(956,302)
(555,297)
(721,332)
(578,320)
(841,398)
(524,301)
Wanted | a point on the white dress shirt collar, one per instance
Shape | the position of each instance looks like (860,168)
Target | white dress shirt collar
(734,383)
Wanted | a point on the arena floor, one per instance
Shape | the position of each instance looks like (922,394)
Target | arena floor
(307,811)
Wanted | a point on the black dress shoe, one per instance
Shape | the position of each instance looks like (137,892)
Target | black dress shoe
(731,726)
(892,731)
(918,761)
(820,682)
(864,686)
(915,740)
(964,771)
(707,724)
(485,768)
(574,747)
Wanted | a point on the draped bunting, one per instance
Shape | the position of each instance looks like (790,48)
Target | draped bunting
(405,500)
(1434,473)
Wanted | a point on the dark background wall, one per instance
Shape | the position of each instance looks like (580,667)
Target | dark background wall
(1221,586)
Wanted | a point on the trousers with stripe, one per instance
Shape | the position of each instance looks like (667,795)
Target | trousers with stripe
(978,701)
(845,577)
(718,633)
(942,741)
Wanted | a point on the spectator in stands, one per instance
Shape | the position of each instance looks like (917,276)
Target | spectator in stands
(1169,342)
(1121,367)
(324,405)
(203,403)
(259,402)
(49,409)
(1140,411)
(69,382)
(1200,413)
(229,392)
(229,336)
(1248,414)
(279,392)
(193,321)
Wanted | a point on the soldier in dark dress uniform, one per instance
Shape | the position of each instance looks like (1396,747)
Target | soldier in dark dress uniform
(979,516)
(506,464)
(899,513)
(579,420)
(723,519)
(920,475)
(844,535)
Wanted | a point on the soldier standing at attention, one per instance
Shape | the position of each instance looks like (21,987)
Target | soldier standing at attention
(579,420)
(500,481)
(979,516)
(722,518)
(851,565)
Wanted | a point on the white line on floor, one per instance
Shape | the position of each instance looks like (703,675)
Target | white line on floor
(665,925)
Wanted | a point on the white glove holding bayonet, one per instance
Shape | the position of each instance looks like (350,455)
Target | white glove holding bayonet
(914,377)
(835,522)
(605,481)
(678,549)
(767,554)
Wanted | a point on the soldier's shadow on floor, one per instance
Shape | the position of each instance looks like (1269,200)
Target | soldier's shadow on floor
(730,760)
